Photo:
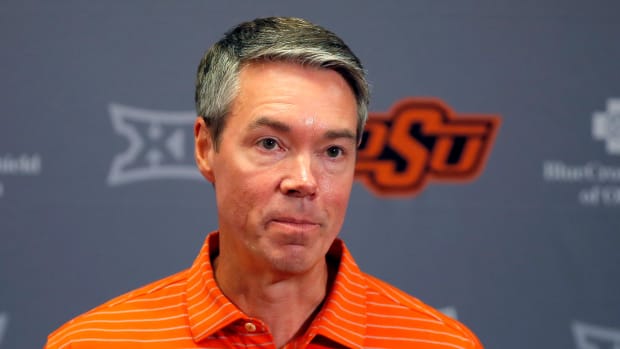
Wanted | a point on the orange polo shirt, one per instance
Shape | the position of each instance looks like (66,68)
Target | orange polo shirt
(188,310)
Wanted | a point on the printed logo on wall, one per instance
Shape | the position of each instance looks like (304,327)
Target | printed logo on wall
(606,126)
(19,165)
(450,311)
(4,323)
(160,145)
(603,179)
(595,337)
(418,141)
(422,140)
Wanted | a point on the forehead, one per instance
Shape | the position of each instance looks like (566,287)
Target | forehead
(293,86)
(268,70)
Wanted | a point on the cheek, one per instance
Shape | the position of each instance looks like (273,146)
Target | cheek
(240,192)
(336,193)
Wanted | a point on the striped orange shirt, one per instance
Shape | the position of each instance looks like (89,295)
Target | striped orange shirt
(188,310)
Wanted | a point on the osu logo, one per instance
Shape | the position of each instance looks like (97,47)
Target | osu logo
(422,140)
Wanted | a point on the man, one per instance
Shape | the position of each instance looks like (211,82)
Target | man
(282,105)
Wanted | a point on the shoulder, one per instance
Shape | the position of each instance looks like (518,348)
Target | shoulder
(394,314)
(153,302)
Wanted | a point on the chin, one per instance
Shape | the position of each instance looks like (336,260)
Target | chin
(292,264)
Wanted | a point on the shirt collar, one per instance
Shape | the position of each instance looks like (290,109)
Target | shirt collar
(341,319)
(208,308)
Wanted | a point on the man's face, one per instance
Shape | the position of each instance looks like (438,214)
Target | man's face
(284,168)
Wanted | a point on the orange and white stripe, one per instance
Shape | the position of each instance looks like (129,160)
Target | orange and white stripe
(188,310)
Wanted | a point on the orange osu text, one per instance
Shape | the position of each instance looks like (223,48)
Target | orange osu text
(420,140)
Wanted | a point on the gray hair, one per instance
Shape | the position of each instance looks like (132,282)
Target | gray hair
(272,39)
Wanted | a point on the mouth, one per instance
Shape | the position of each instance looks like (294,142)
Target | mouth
(294,223)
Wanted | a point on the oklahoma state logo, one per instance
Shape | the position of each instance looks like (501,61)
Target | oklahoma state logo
(422,140)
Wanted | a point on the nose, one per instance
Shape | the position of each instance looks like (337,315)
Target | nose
(299,180)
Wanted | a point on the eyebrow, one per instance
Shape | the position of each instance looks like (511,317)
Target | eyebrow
(344,133)
(282,127)
(265,121)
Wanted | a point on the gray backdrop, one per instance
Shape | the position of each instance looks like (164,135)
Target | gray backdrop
(98,194)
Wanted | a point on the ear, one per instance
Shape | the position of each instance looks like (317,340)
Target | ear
(204,149)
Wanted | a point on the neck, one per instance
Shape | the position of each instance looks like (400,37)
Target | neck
(286,303)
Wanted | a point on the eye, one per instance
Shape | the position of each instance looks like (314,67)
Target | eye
(268,143)
(334,152)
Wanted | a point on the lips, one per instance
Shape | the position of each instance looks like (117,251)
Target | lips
(294,223)
(293,220)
